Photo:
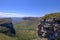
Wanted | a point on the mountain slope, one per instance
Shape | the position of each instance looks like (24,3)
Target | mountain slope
(52,15)
(27,23)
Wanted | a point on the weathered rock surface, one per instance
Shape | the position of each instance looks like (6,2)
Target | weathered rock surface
(49,28)
(6,26)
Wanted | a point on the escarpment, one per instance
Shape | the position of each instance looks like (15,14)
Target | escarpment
(49,28)
(6,26)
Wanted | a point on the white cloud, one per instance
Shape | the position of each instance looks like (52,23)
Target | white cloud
(2,14)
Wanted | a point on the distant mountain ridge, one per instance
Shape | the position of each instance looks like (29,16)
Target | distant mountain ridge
(16,19)
(19,19)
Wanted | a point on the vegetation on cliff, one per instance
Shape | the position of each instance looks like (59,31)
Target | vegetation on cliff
(52,15)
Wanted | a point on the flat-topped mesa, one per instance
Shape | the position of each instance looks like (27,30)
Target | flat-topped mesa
(50,27)
(6,26)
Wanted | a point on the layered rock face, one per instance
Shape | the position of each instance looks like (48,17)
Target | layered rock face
(49,28)
(6,26)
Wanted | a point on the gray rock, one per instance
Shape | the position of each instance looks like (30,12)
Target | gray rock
(50,27)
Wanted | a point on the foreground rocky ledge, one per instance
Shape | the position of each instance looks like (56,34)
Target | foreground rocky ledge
(49,28)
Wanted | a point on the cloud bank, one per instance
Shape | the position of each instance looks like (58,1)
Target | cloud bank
(2,14)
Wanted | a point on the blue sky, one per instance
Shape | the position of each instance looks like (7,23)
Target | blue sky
(26,8)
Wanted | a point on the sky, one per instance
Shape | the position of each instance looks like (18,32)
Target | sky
(27,8)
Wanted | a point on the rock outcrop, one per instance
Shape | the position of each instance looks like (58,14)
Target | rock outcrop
(6,26)
(49,28)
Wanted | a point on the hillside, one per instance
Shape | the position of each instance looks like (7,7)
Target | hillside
(52,15)
(25,30)
(27,23)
